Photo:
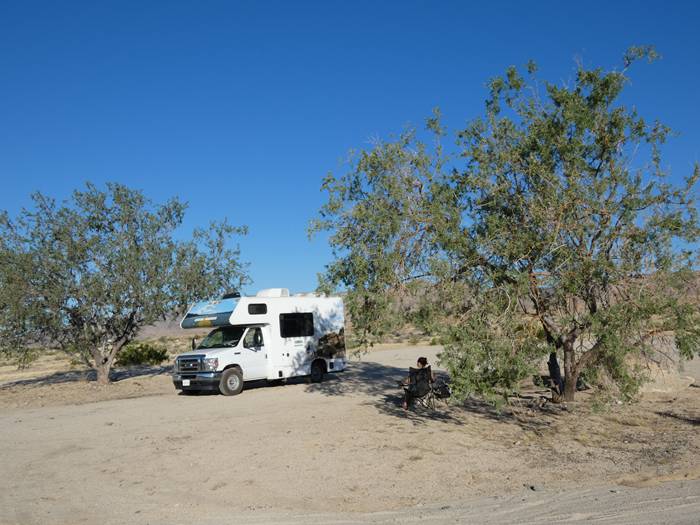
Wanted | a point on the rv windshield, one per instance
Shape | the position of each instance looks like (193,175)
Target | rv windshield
(224,336)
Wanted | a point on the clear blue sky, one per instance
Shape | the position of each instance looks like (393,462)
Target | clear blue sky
(240,108)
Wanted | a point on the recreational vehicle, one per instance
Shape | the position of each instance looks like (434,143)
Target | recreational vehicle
(273,336)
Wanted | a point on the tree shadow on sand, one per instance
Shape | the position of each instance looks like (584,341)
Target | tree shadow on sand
(379,383)
(690,420)
(74,376)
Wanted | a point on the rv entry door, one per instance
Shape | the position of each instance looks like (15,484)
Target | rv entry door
(297,331)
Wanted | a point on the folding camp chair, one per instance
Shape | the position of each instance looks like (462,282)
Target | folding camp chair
(419,388)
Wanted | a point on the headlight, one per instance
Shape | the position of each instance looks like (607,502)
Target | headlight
(210,364)
(175,366)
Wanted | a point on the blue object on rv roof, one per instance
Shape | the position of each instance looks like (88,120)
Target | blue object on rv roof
(209,313)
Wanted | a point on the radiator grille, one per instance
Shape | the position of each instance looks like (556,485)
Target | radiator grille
(188,364)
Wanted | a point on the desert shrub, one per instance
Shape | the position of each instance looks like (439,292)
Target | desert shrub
(142,354)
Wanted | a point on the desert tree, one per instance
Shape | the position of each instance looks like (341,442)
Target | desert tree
(573,224)
(84,276)
(556,229)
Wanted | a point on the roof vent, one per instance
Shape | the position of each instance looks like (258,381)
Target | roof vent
(273,292)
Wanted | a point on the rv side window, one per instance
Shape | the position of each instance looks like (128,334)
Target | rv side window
(257,308)
(296,325)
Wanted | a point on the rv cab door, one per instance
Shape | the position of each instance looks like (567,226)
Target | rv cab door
(254,354)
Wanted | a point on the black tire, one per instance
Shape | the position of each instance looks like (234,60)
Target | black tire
(231,383)
(317,371)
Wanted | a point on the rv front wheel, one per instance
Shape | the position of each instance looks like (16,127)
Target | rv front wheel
(231,382)
(317,371)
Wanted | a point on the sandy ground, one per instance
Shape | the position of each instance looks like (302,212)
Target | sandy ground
(339,452)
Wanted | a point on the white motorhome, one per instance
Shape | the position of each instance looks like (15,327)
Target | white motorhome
(271,336)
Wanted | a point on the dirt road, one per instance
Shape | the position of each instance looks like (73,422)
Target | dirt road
(342,452)
(672,502)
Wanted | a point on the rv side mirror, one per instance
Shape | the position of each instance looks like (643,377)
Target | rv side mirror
(194,343)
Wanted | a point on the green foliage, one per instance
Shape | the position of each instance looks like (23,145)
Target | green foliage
(141,354)
(86,275)
(553,227)
(379,214)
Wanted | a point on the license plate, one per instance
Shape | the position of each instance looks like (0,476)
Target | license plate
(185,382)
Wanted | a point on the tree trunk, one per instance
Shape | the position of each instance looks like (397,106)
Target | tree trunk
(103,373)
(570,374)
(103,363)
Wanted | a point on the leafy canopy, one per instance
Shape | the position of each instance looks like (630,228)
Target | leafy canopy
(86,275)
(552,228)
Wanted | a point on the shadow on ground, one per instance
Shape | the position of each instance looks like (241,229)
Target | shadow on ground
(89,375)
(379,383)
(694,421)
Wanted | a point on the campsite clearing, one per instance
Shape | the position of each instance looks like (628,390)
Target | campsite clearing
(342,451)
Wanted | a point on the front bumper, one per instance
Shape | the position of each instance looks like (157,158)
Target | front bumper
(197,381)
